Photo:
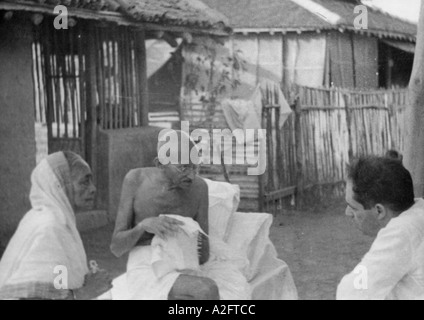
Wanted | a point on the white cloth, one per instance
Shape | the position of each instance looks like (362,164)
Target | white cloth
(258,98)
(305,60)
(179,252)
(226,267)
(158,53)
(141,282)
(224,199)
(394,266)
(153,270)
(241,114)
(269,277)
(47,236)
(243,261)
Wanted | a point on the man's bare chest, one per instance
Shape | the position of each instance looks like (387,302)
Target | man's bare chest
(153,200)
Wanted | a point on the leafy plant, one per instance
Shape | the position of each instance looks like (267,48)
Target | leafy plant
(222,71)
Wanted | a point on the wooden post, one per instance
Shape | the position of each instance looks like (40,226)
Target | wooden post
(262,199)
(82,102)
(414,119)
(46,40)
(143,85)
(279,153)
(389,67)
(349,126)
(352,43)
(299,153)
(91,151)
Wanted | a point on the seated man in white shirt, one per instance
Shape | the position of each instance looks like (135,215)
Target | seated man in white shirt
(380,199)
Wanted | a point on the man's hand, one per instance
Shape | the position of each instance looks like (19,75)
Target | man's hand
(95,285)
(162,226)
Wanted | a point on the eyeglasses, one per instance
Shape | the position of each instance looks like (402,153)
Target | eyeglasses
(185,168)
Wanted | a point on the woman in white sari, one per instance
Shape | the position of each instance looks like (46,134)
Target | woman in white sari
(45,258)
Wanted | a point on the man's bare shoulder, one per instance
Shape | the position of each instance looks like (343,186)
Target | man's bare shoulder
(140,174)
(200,186)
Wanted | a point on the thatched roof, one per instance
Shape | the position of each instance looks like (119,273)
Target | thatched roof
(166,13)
(299,15)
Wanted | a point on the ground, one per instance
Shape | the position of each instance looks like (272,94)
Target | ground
(319,245)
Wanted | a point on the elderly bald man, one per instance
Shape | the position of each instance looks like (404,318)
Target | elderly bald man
(147,193)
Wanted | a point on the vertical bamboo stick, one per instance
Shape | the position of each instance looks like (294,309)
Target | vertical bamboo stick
(82,90)
(72,71)
(299,153)
(142,56)
(46,40)
(110,62)
(92,100)
(349,127)
(117,91)
(99,64)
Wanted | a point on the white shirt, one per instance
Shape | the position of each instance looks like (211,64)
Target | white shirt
(394,266)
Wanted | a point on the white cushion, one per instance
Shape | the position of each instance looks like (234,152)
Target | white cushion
(224,199)
(248,234)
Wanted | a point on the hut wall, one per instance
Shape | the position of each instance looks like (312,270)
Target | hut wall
(353,60)
(17,137)
(121,151)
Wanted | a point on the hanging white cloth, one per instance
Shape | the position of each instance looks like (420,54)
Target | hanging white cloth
(241,114)
(258,97)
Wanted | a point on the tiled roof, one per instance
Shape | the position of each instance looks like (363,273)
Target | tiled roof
(187,13)
(288,15)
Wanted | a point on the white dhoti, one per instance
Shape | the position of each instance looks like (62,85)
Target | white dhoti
(142,282)
(152,270)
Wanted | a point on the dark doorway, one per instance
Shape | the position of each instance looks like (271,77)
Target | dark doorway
(395,66)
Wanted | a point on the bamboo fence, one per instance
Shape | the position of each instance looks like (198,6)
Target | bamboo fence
(339,124)
(311,151)
(88,77)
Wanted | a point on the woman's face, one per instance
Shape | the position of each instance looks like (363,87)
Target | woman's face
(84,191)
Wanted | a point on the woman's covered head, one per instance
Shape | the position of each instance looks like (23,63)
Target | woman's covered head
(83,192)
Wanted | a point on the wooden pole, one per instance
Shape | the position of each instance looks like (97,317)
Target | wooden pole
(142,70)
(299,153)
(414,118)
(349,126)
(49,85)
(82,80)
(389,67)
(261,200)
(91,101)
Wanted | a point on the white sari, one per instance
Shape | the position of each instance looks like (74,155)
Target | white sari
(45,257)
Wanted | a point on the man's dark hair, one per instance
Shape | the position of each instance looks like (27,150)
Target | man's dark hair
(394,154)
(381,180)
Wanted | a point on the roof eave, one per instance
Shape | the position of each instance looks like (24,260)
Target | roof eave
(377,33)
(116,18)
